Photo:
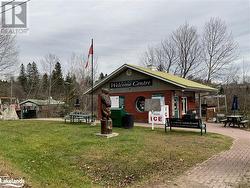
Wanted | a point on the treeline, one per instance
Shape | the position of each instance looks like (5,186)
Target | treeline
(33,84)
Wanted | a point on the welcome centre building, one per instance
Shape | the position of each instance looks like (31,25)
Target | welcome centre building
(130,85)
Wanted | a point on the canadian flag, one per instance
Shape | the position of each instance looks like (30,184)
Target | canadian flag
(90,54)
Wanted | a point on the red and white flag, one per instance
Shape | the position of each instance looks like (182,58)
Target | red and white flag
(90,54)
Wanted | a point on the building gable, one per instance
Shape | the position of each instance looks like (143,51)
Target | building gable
(123,76)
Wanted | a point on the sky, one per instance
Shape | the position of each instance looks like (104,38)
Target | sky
(122,29)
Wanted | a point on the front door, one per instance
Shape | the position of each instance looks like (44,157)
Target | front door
(176,106)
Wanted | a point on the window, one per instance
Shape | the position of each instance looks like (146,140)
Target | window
(121,102)
(184,105)
(140,104)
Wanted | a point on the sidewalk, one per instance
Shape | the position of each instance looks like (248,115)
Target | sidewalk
(227,169)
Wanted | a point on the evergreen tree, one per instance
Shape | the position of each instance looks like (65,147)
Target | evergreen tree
(45,84)
(68,87)
(32,80)
(35,75)
(22,79)
(57,80)
(68,78)
(29,79)
(101,76)
(35,80)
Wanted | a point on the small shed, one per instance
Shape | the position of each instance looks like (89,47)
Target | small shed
(35,108)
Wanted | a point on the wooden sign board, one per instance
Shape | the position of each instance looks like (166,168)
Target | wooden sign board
(152,105)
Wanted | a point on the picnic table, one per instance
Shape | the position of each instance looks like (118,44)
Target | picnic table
(77,117)
(233,120)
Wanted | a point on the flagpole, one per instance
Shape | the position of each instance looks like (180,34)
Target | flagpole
(92,93)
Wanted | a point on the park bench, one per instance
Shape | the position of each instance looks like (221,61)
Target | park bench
(185,123)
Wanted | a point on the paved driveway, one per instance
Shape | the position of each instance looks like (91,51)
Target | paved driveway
(227,169)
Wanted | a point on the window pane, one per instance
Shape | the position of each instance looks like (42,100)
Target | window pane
(140,104)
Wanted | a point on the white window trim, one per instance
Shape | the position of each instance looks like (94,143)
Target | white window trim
(184,111)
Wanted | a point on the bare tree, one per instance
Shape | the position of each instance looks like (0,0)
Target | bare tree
(169,55)
(231,75)
(185,39)
(163,57)
(8,53)
(77,67)
(218,48)
(149,57)
(83,78)
(48,63)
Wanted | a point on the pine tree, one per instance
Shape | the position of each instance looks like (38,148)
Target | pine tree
(22,79)
(45,84)
(57,80)
(35,79)
(101,76)
(35,74)
(32,80)
(68,79)
(29,79)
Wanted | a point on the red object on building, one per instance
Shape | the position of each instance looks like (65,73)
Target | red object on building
(131,85)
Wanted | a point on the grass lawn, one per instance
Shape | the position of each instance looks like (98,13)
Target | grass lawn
(54,154)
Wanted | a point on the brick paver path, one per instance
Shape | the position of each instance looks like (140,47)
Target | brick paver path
(226,169)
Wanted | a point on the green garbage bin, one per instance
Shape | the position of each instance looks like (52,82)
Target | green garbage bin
(116,115)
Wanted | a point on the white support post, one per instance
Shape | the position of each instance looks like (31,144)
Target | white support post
(218,103)
(200,105)
(226,103)
(152,119)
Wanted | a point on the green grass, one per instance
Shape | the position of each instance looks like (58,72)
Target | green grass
(54,154)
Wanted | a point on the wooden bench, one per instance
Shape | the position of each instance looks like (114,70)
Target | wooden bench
(185,123)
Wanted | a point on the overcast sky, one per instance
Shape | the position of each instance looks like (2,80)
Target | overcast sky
(122,30)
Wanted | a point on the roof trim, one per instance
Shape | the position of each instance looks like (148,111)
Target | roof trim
(158,77)
(149,74)
(41,102)
(106,79)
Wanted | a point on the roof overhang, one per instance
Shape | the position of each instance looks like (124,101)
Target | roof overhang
(125,66)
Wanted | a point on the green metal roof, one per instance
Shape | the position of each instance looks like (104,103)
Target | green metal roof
(182,82)
(42,102)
